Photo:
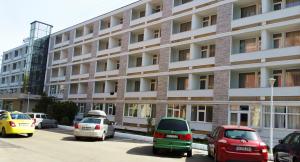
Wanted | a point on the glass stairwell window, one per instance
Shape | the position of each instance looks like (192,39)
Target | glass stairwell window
(248,11)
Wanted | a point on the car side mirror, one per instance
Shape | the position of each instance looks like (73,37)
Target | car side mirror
(280,141)
(192,130)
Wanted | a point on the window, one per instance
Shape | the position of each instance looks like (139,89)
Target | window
(116,86)
(6,57)
(249,45)
(121,20)
(185,26)
(131,110)
(201,113)
(182,83)
(155,60)
(277,5)
(247,80)
(212,50)
(3,80)
(186,1)
(292,3)
(119,42)
(53,89)
(239,115)
(14,66)
(118,65)
(110,109)
(16,53)
(248,11)
(142,14)
(213,20)
(136,86)
(156,9)
(277,41)
(153,85)
(98,106)
(292,39)
(293,77)
(175,110)
(277,75)
(140,37)
(139,62)
(156,33)
(204,51)
(205,21)
(287,117)
(203,81)
(184,55)
(82,107)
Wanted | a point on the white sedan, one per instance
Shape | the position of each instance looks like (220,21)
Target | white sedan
(94,127)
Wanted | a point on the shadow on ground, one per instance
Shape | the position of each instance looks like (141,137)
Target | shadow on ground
(57,130)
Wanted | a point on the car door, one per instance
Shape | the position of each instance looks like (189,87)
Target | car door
(283,148)
(294,147)
(105,124)
(213,140)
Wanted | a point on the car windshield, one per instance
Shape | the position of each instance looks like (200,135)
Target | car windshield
(241,134)
(19,116)
(173,125)
(91,120)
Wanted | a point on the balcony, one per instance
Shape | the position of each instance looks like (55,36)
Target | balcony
(81,57)
(60,61)
(144,43)
(190,93)
(109,51)
(77,96)
(192,33)
(252,92)
(107,73)
(142,69)
(111,29)
(185,6)
(104,95)
(147,18)
(65,43)
(79,76)
(269,16)
(56,79)
(271,53)
(141,94)
(190,63)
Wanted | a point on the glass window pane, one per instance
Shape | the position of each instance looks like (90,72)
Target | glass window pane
(233,118)
(209,113)
(244,120)
(194,113)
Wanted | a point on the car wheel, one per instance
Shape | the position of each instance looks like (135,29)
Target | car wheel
(190,153)
(276,157)
(40,126)
(77,138)
(3,133)
(103,136)
(29,134)
(154,150)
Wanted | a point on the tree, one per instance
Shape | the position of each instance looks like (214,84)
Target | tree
(43,103)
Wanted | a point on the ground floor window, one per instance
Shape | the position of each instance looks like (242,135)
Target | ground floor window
(176,110)
(201,113)
(81,107)
(108,108)
(245,115)
(140,110)
(286,117)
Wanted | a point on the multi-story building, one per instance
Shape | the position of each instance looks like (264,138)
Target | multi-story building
(208,61)
(23,70)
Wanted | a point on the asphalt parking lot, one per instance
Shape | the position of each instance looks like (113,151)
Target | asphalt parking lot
(56,145)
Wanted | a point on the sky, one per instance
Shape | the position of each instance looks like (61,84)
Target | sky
(16,16)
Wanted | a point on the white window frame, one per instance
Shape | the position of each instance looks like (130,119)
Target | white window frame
(174,109)
(239,112)
(204,111)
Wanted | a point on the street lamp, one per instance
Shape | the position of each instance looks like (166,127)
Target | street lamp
(28,101)
(271,81)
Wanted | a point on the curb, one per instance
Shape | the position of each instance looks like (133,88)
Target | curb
(148,139)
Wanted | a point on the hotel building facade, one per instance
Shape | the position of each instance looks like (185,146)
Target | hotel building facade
(208,61)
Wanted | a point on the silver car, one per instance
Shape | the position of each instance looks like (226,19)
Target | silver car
(43,120)
(94,127)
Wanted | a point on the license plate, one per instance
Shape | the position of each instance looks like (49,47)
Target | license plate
(239,148)
(23,125)
(171,136)
(86,128)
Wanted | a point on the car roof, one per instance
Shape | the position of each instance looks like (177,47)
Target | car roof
(173,118)
(237,127)
(97,113)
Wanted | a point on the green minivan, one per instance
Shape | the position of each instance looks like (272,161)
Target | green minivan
(173,134)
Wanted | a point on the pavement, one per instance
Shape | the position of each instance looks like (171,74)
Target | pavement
(58,145)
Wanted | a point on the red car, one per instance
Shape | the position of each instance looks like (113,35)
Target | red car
(236,143)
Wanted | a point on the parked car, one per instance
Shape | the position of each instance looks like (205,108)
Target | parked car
(16,123)
(173,134)
(95,126)
(236,143)
(43,120)
(288,149)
